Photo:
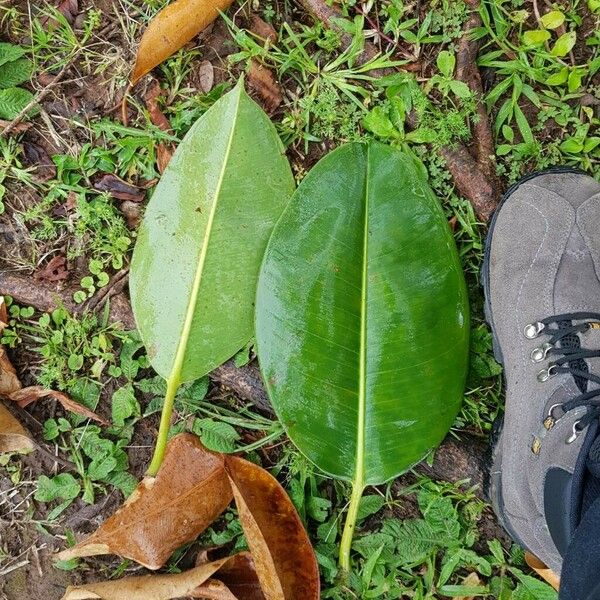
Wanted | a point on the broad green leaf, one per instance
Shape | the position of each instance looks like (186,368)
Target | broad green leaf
(553,19)
(558,78)
(564,44)
(15,72)
(446,62)
(13,101)
(10,52)
(362,316)
(535,37)
(198,253)
(63,486)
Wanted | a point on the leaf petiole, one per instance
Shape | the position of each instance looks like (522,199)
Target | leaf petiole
(350,525)
(173,384)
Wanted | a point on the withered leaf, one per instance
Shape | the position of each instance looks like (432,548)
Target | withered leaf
(206,76)
(9,382)
(68,8)
(164,151)
(148,587)
(119,189)
(35,156)
(172,28)
(542,570)
(237,579)
(13,437)
(189,492)
(285,561)
(24,397)
(262,29)
(262,81)
(55,270)
(3,314)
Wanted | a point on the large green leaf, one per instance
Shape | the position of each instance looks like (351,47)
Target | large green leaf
(198,253)
(362,316)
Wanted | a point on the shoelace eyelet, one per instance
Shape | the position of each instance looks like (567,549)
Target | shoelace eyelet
(575,434)
(546,374)
(539,354)
(532,330)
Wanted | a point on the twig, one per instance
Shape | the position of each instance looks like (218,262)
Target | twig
(38,97)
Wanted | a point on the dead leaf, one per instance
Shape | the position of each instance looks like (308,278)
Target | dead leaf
(172,28)
(24,397)
(190,491)
(3,314)
(18,128)
(285,561)
(132,212)
(237,580)
(542,570)
(164,151)
(55,270)
(35,156)
(262,81)
(13,437)
(471,580)
(206,76)
(119,189)
(265,31)
(68,8)
(148,587)
(9,382)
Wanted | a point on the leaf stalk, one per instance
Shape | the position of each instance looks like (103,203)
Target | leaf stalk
(350,525)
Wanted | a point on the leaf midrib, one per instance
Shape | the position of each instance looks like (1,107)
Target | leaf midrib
(359,475)
(175,375)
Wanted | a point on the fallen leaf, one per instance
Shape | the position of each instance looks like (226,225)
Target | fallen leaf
(285,561)
(19,128)
(35,156)
(119,189)
(164,151)
(3,314)
(262,81)
(13,437)
(172,28)
(55,270)
(148,587)
(542,570)
(265,31)
(237,580)
(471,580)
(189,492)
(24,397)
(206,76)
(9,382)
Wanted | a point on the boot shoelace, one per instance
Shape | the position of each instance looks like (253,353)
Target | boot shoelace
(568,356)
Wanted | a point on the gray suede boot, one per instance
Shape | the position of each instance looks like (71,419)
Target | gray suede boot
(542,287)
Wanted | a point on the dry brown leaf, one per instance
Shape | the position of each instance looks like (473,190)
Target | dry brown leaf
(37,158)
(285,561)
(148,587)
(237,580)
(265,31)
(68,8)
(9,382)
(55,270)
(262,81)
(13,437)
(206,76)
(171,29)
(190,491)
(119,189)
(24,397)
(164,151)
(472,579)
(542,570)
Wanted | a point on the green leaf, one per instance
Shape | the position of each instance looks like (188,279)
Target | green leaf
(594,5)
(564,44)
(422,135)
(536,589)
(553,19)
(453,591)
(357,269)
(216,435)
(446,63)
(558,78)
(198,252)
(124,405)
(461,89)
(13,101)
(15,72)
(572,146)
(63,486)
(10,52)
(99,469)
(535,37)
(369,505)
(575,77)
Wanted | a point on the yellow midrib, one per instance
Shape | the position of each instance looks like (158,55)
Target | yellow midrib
(174,377)
(359,475)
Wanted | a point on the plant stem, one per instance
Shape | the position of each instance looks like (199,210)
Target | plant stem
(163,430)
(350,525)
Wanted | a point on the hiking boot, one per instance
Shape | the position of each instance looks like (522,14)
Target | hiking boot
(542,286)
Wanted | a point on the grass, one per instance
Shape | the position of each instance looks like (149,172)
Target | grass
(416,538)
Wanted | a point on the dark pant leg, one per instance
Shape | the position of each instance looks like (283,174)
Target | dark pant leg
(580,577)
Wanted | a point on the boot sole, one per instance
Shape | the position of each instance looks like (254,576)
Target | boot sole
(493,458)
